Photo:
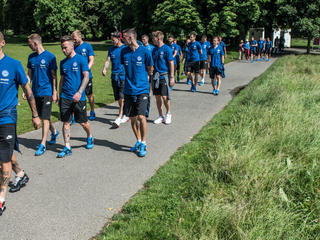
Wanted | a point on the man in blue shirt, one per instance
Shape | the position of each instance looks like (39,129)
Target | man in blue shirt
(11,76)
(193,65)
(85,49)
(179,53)
(161,82)
(42,71)
(145,41)
(203,58)
(253,44)
(216,60)
(268,49)
(74,73)
(223,45)
(137,61)
(261,48)
(117,76)
(174,47)
(185,57)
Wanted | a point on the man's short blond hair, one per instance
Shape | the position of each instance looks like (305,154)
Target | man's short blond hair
(1,36)
(158,34)
(35,37)
(77,33)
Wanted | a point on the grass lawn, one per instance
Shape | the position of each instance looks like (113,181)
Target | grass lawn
(301,43)
(251,173)
(17,48)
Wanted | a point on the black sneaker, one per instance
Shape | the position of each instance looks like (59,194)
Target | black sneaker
(2,207)
(19,183)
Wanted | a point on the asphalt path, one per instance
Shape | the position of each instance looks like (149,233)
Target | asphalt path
(74,197)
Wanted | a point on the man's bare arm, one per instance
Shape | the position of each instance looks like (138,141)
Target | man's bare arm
(84,82)
(91,61)
(30,97)
(200,52)
(106,66)
(54,80)
(175,53)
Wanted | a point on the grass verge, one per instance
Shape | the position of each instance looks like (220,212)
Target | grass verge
(17,48)
(251,173)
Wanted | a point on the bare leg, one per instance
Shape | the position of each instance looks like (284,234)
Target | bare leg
(143,127)
(6,169)
(121,103)
(66,133)
(218,77)
(190,76)
(166,102)
(15,166)
(52,129)
(87,128)
(213,83)
(91,102)
(159,105)
(136,127)
(45,130)
(195,78)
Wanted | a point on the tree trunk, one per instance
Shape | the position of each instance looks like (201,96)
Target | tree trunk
(309,41)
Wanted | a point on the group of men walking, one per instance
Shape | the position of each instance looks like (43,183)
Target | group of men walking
(262,49)
(137,70)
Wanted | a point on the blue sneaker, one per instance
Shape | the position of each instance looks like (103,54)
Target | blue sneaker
(90,142)
(267,60)
(201,83)
(188,81)
(41,150)
(54,137)
(178,79)
(217,92)
(65,152)
(170,88)
(136,147)
(214,91)
(194,89)
(252,61)
(207,72)
(92,115)
(143,150)
(73,121)
(192,86)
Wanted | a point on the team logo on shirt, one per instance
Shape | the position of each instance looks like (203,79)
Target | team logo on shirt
(194,47)
(83,50)
(5,73)
(218,50)
(74,64)
(204,46)
(113,56)
(139,58)
(43,61)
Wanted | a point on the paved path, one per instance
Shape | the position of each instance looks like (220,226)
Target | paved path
(70,198)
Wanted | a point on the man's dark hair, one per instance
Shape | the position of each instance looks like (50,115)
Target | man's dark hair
(145,36)
(66,38)
(130,32)
(193,34)
(170,36)
(204,35)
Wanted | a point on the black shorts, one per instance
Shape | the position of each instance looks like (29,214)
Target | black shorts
(203,64)
(137,105)
(67,107)
(193,67)
(268,51)
(44,106)
(261,51)
(253,52)
(117,90)
(89,87)
(214,71)
(7,141)
(162,90)
(185,67)
(178,66)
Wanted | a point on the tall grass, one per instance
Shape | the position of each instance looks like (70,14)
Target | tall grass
(251,173)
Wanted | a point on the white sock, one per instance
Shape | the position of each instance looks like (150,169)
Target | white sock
(139,140)
(144,142)
(1,199)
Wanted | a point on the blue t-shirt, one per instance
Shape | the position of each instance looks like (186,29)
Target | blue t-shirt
(85,50)
(254,42)
(161,57)
(194,51)
(178,53)
(174,47)
(216,55)
(41,66)
(72,69)
(136,62)
(261,44)
(222,44)
(115,55)
(205,46)
(11,76)
(149,47)
(246,45)
(268,44)
(186,54)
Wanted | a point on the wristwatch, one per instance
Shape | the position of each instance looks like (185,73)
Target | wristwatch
(171,76)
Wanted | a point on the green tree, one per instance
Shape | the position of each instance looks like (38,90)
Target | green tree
(302,16)
(177,17)
(18,15)
(1,15)
(58,16)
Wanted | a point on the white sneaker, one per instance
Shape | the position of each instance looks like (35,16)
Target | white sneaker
(159,120)
(124,119)
(168,118)
(117,122)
